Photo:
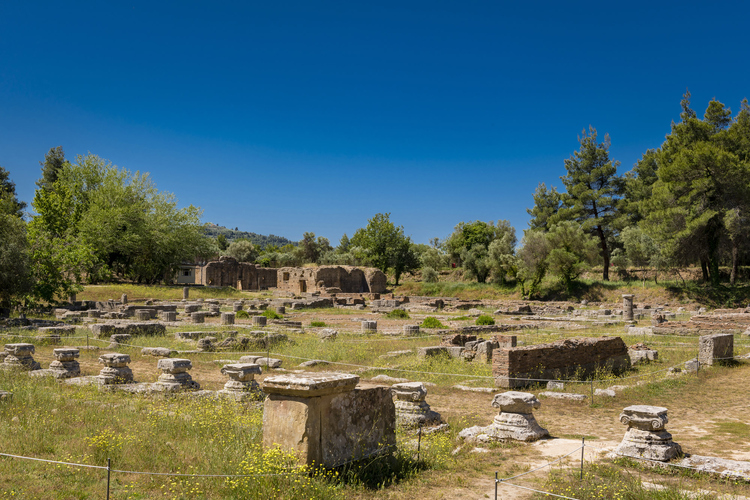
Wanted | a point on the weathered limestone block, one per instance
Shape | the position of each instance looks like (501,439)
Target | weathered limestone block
(241,385)
(646,436)
(250,359)
(237,307)
(328,334)
(187,335)
(483,351)
(206,344)
(117,339)
(259,320)
(411,408)
(185,293)
(57,330)
(369,326)
(198,317)
(639,353)
(94,313)
(214,309)
(65,364)
(692,365)
(170,316)
(326,419)
(143,314)
(411,329)
(124,299)
(227,318)
(19,356)
(116,370)
(716,348)
(158,352)
(269,362)
(175,376)
(426,352)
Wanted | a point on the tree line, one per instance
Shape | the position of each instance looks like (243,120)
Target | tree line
(684,203)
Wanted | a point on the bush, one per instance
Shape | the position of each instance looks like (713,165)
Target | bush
(397,314)
(432,322)
(242,315)
(485,319)
(429,275)
(271,314)
(317,323)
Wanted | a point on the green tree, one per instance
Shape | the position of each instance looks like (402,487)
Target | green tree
(9,202)
(51,167)
(470,244)
(532,261)
(547,204)
(222,242)
(592,191)
(385,245)
(572,251)
(243,251)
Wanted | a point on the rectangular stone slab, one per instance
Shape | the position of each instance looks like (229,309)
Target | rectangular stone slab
(310,384)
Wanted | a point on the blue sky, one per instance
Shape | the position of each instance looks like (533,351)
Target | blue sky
(286,117)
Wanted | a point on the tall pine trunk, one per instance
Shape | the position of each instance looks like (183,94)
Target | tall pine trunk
(605,252)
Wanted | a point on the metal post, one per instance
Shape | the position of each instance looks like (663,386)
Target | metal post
(592,392)
(583,448)
(495,485)
(109,470)
(419,441)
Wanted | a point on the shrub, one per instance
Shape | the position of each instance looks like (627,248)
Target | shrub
(485,319)
(397,314)
(432,322)
(271,314)
(429,275)
(241,315)
(317,323)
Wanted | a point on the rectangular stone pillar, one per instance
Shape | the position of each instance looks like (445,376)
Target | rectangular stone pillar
(326,419)
(627,307)
(716,348)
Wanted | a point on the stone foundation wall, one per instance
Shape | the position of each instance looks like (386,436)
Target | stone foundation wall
(557,359)
(344,279)
(241,275)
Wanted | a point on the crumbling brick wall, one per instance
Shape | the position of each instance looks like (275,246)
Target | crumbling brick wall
(581,356)
(346,279)
(244,276)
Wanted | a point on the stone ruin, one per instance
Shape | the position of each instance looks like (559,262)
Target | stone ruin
(715,348)
(116,370)
(646,436)
(241,385)
(327,419)
(640,353)
(369,326)
(19,356)
(521,366)
(411,408)
(331,279)
(175,376)
(468,347)
(514,422)
(65,364)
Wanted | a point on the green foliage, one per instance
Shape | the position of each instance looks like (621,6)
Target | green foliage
(222,242)
(9,203)
(484,248)
(317,324)
(397,314)
(432,257)
(313,249)
(271,314)
(571,251)
(51,167)
(242,250)
(485,319)
(429,275)
(15,279)
(547,203)
(264,243)
(241,314)
(431,322)
(386,246)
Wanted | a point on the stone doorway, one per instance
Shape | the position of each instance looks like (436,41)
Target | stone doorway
(302,286)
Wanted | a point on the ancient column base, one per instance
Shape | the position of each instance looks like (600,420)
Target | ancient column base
(647,444)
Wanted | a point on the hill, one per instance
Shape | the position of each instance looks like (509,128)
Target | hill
(260,240)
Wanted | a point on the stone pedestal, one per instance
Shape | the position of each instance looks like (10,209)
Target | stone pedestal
(237,306)
(369,326)
(646,436)
(142,314)
(19,356)
(227,318)
(326,419)
(259,320)
(241,385)
(411,330)
(516,419)
(65,364)
(214,309)
(717,348)
(169,316)
(124,299)
(411,408)
(185,293)
(116,370)
(175,376)
(198,317)
(627,307)
(281,310)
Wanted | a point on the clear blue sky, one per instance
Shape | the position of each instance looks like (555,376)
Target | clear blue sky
(285,117)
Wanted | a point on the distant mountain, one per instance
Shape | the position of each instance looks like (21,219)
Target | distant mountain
(260,240)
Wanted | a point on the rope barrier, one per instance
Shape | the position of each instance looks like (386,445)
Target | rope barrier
(53,461)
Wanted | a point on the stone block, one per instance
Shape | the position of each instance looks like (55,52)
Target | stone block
(143,314)
(241,385)
(170,316)
(198,317)
(426,352)
(19,356)
(116,370)
(411,408)
(326,420)
(65,364)
(411,330)
(175,376)
(227,318)
(369,326)
(259,320)
(269,362)
(159,352)
(716,348)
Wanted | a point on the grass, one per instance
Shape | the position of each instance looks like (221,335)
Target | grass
(397,314)
(431,322)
